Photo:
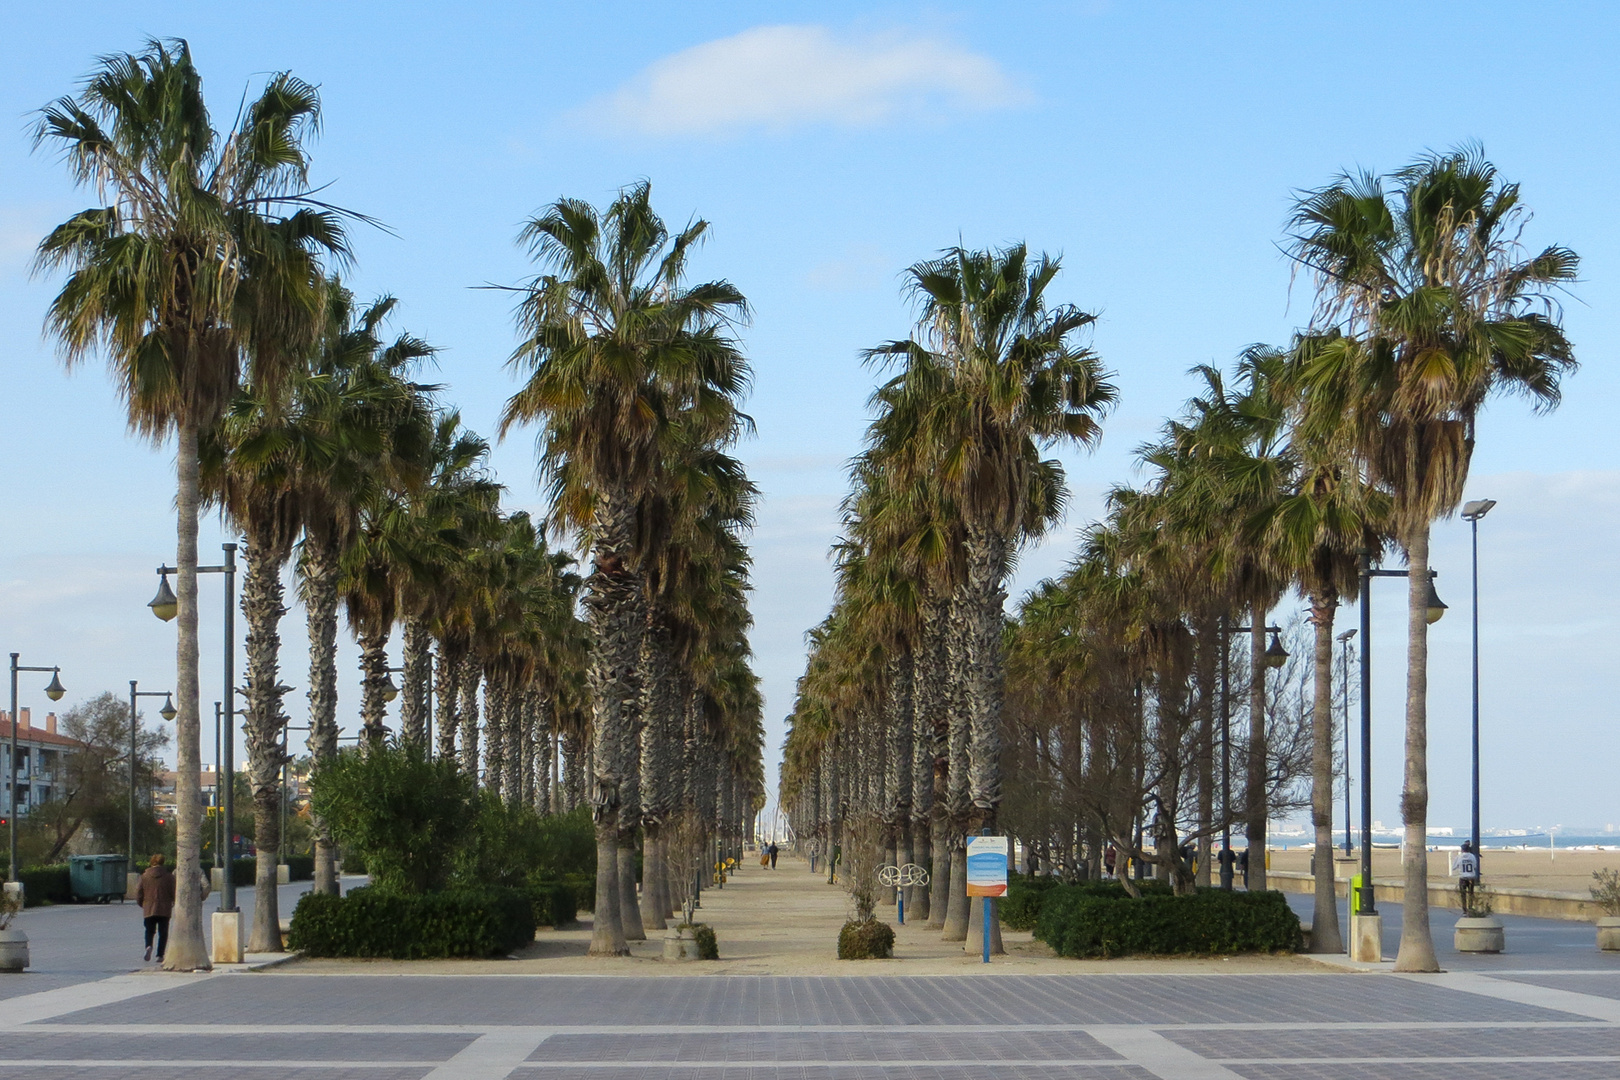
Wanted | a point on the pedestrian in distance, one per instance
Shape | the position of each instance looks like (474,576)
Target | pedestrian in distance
(155,894)
(1243,866)
(772,851)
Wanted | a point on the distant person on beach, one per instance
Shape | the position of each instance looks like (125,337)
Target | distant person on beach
(772,852)
(155,893)
(1243,866)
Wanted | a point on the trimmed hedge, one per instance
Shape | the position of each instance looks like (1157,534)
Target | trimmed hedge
(370,922)
(1086,921)
(243,870)
(300,867)
(584,886)
(1020,909)
(868,940)
(46,885)
(554,903)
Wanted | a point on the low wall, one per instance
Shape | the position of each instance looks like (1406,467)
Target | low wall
(1543,905)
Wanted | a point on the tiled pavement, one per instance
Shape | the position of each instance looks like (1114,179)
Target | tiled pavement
(1294,1026)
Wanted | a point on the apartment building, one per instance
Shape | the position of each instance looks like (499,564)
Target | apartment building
(41,751)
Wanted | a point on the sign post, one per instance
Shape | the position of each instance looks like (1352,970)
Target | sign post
(986,876)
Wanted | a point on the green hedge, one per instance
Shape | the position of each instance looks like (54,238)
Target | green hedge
(370,922)
(243,869)
(554,903)
(1088,921)
(868,940)
(353,862)
(1020,909)
(584,886)
(46,885)
(300,867)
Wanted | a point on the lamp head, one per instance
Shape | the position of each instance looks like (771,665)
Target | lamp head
(1348,634)
(389,690)
(165,605)
(55,690)
(168,712)
(1477,509)
(1436,607)
(1276,655)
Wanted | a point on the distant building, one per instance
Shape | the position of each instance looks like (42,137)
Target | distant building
(164,800)
(40,757)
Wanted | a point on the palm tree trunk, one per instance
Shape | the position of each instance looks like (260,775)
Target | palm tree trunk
(373,678)
(615,617)
(494,734)
(187,950)
(320,572)
(1256,803)
(1417,943)
(629,820)
(1325,937)
(262,609)
(417,660)
(527,714)
(543,751)
(445,687)
(512,732)
(467,712)
(573,777)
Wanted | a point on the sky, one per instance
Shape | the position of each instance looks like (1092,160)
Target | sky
(1156,147)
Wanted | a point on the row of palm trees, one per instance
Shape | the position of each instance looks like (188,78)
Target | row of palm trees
(209,283)
(1346,444)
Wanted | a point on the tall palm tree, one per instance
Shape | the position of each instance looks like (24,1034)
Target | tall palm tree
(614,345)
(996,378)
(152,281)
(1438,306)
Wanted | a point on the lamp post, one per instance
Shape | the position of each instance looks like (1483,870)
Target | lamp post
(165,606)
(1436,609)
(1276,656)
(1344,690)
(54,691)
(168,713)
(1471,513)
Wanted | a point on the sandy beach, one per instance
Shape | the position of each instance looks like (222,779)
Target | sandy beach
(1563,871)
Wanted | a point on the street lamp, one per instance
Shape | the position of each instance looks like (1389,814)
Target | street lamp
(166,606)
(1344,690)
(1471,513)
(53,690)
(168,712)
(1275,657)
(1435,609)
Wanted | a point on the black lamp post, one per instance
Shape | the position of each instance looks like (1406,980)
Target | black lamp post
(165,606)
(1344,690)
(1436,609)
(1471,513)
(168,713)
(54,690)
(1276,656)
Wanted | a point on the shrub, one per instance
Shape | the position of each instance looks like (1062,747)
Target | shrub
(866,939)
(300,867)
(406,814)
(584,886)
(353,862)
(375,922)
(554,903)
(708,946)
(46,885)
(1086,921)
(1021,907)
(1606,893)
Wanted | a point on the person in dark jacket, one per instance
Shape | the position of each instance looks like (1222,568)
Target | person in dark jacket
(772,851)
(155,894)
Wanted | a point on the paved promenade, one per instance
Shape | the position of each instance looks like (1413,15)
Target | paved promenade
(1263,1019)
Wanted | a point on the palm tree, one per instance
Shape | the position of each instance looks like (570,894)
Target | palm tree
(996,379)
(153,279)
(1437,306)
(614,346)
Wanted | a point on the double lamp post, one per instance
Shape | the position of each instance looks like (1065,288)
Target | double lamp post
(54,691)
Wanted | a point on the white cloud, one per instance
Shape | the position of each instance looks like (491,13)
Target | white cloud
(778,77)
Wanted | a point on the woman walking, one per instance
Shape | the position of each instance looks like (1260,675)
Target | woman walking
(155,894)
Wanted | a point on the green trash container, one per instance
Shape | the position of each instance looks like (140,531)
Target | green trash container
(97,878)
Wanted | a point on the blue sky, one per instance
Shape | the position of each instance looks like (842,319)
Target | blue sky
(1155,146)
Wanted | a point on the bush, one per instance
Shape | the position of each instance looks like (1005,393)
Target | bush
(300,867)
(1021,907)
(1086,921)
(866,939)
(708,946)
(46,885)
(375,922)
(407,814)
(584,886)
(353,862)
(554,903)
